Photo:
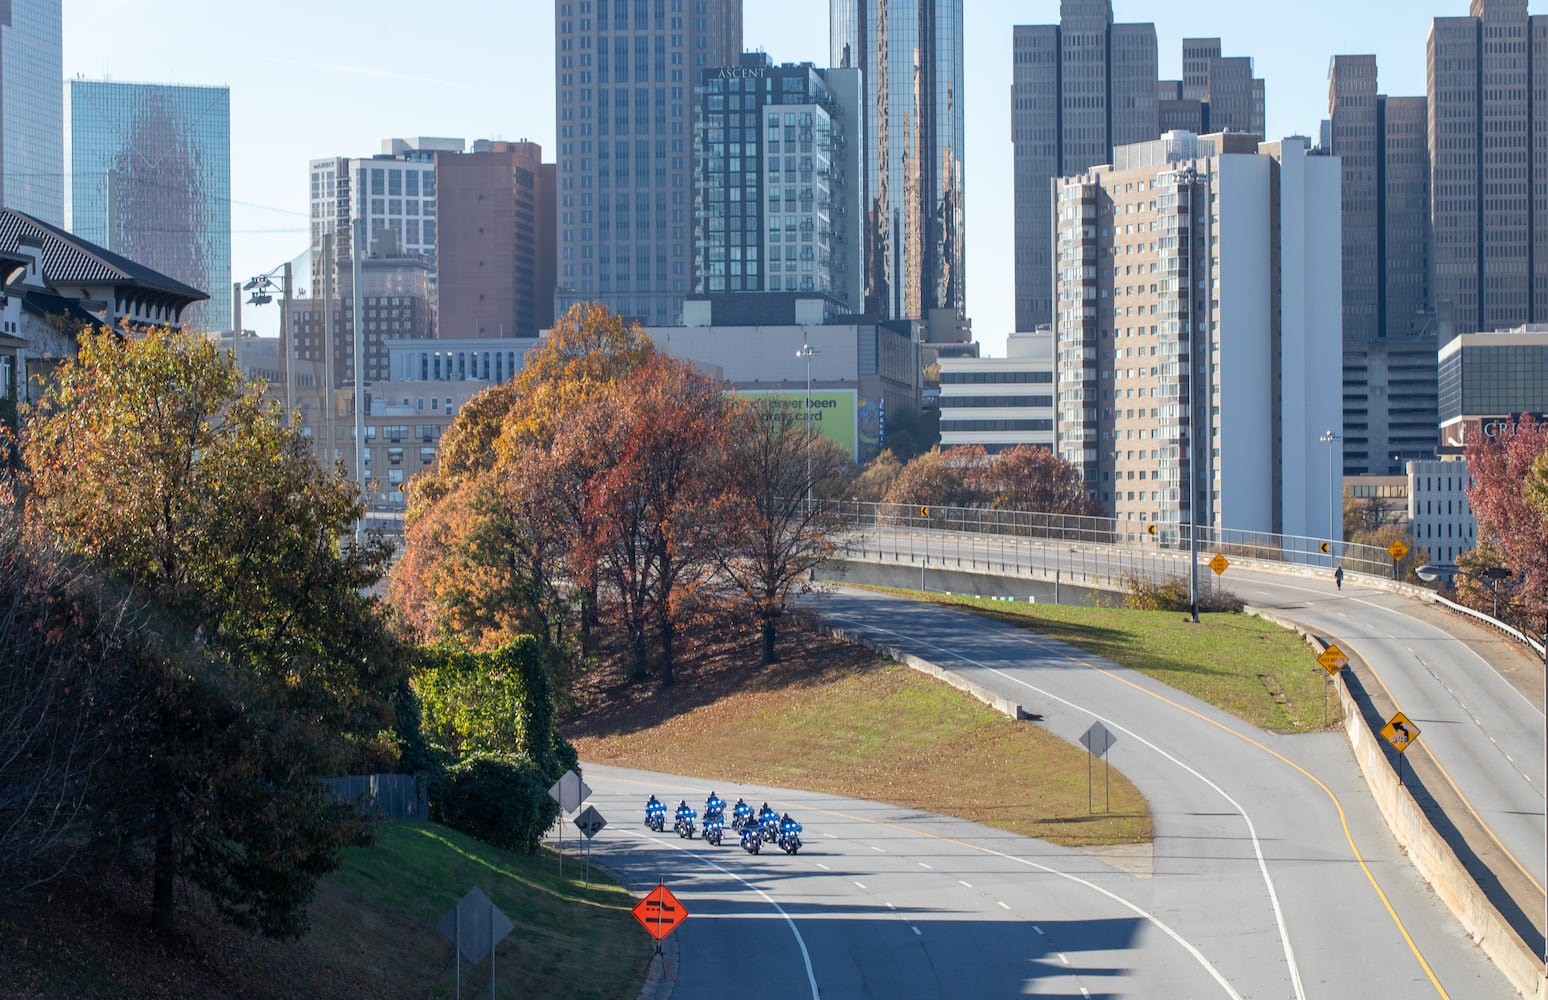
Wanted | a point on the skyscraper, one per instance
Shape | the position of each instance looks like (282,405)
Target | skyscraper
(1390,334)
(625,74)
(1488,136)
(150,178)
(1085,86)
(911,59)
(776,181)
(32,108)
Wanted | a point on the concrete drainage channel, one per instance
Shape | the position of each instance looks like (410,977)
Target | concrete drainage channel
(1431,854)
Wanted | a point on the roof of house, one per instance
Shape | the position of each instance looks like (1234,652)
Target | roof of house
(70,260)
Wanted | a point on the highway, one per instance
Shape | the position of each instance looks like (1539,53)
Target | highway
(1272,875)
(1481,722)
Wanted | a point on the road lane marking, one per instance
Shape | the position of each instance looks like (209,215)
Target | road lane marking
(916,930)
(860,884)
(968,884)
(1037,928)
(1019,635)
(878,850)
(1006,906)
(923,865)
(824,867)
(1063,958)
(806,956)
(1466,803)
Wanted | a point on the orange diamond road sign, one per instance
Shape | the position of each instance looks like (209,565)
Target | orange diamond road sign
(1332,659)
(1150,529)
(660,912)
(1219,564)
(1397,550)
(1400,732)
(1323,548)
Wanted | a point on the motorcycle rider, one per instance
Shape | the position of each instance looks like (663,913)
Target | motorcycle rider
(714,804)
(787,825)
(684,811)
(765,814)
(741,813)
(654,807)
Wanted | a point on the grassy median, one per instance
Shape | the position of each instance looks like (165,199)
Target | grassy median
(832,718)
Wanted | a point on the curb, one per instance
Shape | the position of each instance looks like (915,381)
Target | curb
(1431,855)
(1004,706)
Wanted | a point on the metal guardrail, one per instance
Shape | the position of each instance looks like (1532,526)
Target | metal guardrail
(1298,550)
(1532,643)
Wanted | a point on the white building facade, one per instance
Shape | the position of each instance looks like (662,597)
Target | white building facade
(1198,313)
(1000,403)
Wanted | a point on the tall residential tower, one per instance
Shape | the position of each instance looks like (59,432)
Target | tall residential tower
(624,75)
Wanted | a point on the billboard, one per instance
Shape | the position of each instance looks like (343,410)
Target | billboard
(834,412)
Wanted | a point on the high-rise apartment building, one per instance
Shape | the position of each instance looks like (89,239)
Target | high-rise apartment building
(494,242)
(1197,307)
(32,108)
(777,181)
(1488,136)
(150,178)
(911,59)
(1083,87)
(624,75)
(1390,330)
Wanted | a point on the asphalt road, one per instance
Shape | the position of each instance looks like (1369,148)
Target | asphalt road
(1271,875)
(1481,719)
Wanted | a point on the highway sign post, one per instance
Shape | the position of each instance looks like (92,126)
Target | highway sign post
(475,925)
(660,914)
(569,791)
(1097,740)
(1397,550)
(1400,732)
(589,823)
(1333,660)
(1219,564)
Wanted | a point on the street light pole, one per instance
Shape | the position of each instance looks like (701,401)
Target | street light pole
(1330,439)
(807,353)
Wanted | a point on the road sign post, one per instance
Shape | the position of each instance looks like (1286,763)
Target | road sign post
(569,791)
(1097,740)
(1401,733)
(589,823)
(660,914)
(475,926)
(1219,564)
(1332,660)
(1397,550)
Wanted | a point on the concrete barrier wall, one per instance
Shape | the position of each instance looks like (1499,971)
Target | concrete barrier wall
(1427,849)
(1002,705)
(956,581)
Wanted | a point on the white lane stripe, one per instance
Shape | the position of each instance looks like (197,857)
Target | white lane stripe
(968,884)
(1037,928)
(1063,958)
(860,884)
(1279,917)
(923,865)
(916,930)
(878,850)
(1006,906)
(806,956)
(824,867)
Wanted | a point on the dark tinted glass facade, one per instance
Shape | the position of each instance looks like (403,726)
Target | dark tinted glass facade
(150,178)
(1493,379)
(911,57)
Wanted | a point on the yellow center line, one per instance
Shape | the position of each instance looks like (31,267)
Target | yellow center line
(1370,876)
(1424,748)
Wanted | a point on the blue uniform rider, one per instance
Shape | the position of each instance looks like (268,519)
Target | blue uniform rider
(714,804)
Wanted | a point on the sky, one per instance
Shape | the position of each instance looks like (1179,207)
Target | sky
(336,77)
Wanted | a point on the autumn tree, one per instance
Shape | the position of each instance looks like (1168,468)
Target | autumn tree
(941,478)
(775,536)
(877,477)
(657,511)
(1029,477)
(157,462)
(1509,475)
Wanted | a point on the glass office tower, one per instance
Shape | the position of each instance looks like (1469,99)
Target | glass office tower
(150,178)
(32,108)
(910,55)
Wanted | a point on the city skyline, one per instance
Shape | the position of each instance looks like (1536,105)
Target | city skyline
(295,97)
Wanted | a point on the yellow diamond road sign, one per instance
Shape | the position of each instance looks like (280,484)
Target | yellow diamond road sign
(1397,550)
(1150,529)
(1333,659)
(1323,548)
(1219,564)
(1400,732)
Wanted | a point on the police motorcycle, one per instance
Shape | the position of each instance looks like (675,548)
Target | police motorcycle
(768,823)
(752,838)
(655,814)
(714,818)
(789,835)
(741,814)
(684,820)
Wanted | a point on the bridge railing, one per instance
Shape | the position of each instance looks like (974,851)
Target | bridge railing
(900,521)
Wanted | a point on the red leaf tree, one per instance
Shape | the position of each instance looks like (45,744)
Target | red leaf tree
(1510,478)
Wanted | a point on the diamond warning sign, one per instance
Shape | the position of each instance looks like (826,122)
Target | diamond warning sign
(660,912)
(1333,659)
(1400,732)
